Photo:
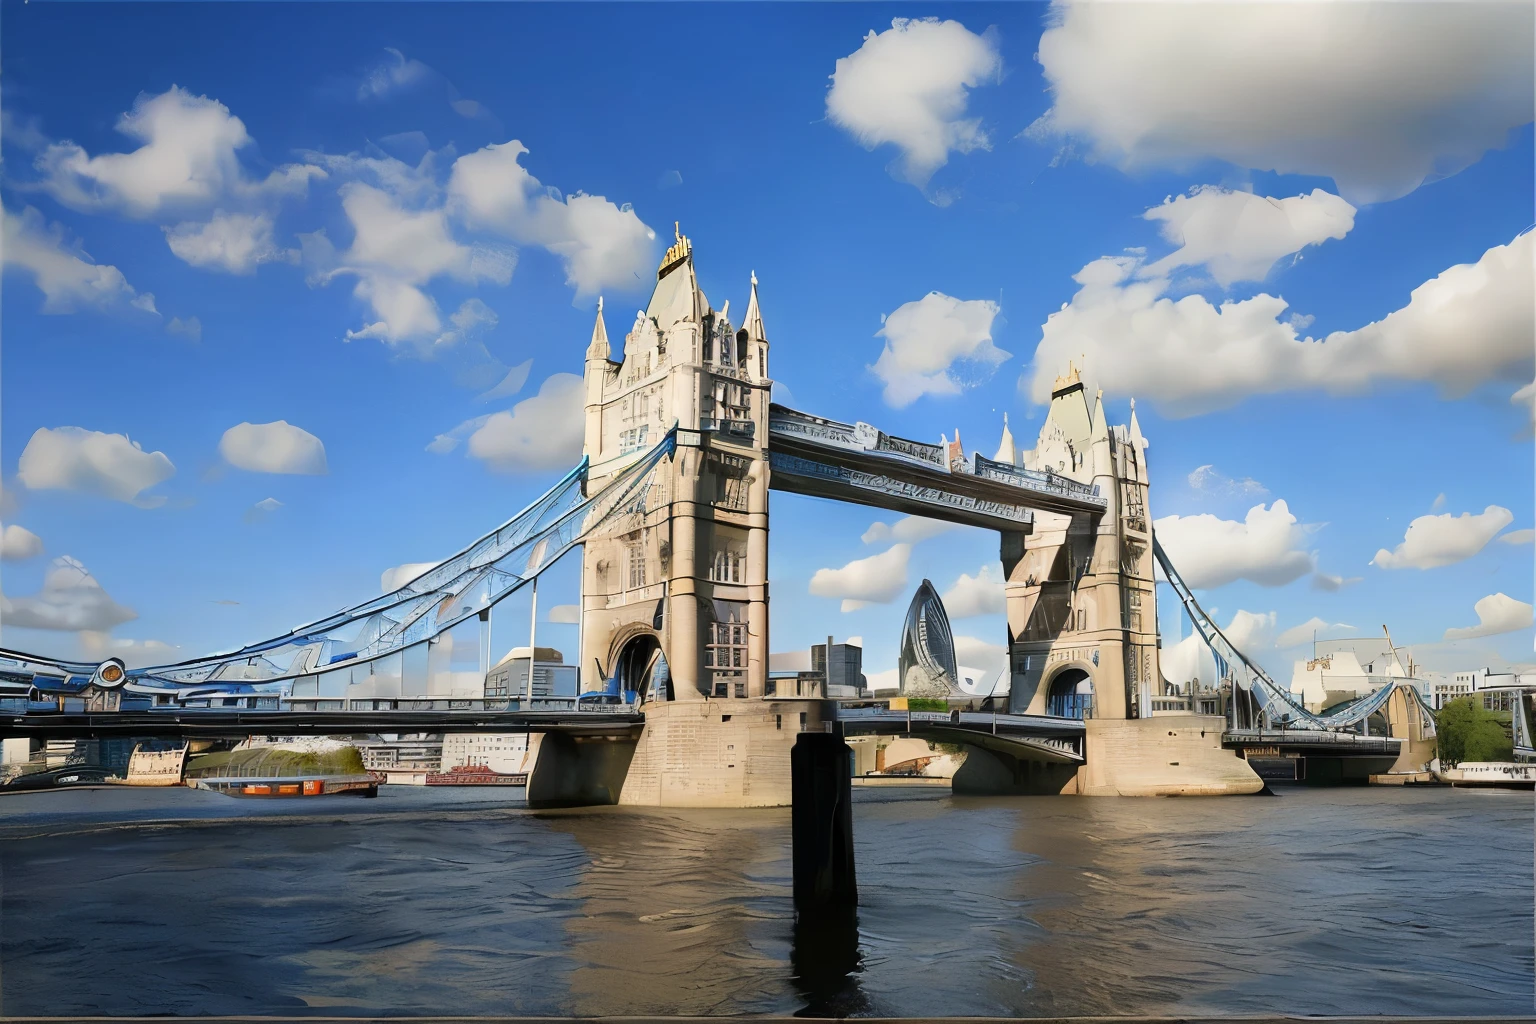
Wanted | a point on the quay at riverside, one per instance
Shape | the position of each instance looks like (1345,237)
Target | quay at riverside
(670,507)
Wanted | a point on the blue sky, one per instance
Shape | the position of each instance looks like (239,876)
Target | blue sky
(296,198)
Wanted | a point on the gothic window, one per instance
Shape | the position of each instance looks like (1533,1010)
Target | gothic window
(762,363)
(741,347)
(635,565)
(1082,619)
(726,657)
(1133,609)
(730,566)
(633,440)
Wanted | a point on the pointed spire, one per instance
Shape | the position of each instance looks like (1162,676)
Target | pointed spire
(1006,450)
(753,321)
(1100,424)
(1136,436)
(598,349)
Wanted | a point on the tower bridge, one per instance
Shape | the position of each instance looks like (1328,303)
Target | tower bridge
(670,508)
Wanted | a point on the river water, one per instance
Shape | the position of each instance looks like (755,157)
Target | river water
(1326,901)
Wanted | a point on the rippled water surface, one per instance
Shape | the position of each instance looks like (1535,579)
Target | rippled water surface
(1382,900)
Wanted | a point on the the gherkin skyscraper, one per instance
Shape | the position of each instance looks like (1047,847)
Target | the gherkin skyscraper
(927,664)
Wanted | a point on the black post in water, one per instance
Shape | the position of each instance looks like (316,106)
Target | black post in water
(822,820)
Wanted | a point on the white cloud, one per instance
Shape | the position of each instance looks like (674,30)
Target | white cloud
(545,431)
(1471,324)
(394,252)
(391,75)
(1496,613)
(18,543)
(71,599)
(981,594)
(187,160)
(442,444)
(601,244)
(510,384)
(278,447)
(1331,583)
(1211,481)
(76,459)
(191,328)
(1267,547)
(1238,236)
(473,317)
(1433,541)
(234,242)
(567,613)
(906,530)
(1313,627)
(260,511)
(980,662)
(938,345)
(65,274)
(909,86)
(885,680)
(391,580)
(1380,97)
(1526,396)
(1518,537)
(1190,657)
(878,579)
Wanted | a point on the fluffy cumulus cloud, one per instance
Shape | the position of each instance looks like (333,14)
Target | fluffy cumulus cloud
(906,530)
(76,459)
(1209,480)
(234,242)
(602,245)
(1433,541)
(71,599)
(565,613)
(1496,613)
(1267,547)
(1190,658)
(391,580)
(395,73)
(981,664)
(981,594)
(1471,324)
(278,447)
(1313,628)
(541,432)
(395,251)
(878,579)
(66,275)
(187,158)
(938,345)
(1378,96)
(1238,236)
(18,543)
(909,86)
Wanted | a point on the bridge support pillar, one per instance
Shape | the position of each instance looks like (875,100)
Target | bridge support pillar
(1169,755)
(992,773)
(822,821)
(579,771)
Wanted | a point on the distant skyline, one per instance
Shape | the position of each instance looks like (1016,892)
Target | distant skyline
(296,296)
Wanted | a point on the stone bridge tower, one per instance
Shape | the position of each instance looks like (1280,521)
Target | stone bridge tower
(675,600)
(1082,607)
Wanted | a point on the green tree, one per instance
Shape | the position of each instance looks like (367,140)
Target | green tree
(1465,731)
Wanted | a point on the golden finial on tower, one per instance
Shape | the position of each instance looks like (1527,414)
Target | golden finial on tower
(1072,377)
(679,251)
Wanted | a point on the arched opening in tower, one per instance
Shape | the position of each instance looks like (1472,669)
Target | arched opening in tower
(641,670)
(1071,695)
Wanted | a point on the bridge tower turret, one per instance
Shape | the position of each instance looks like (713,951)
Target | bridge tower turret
(675,597)
(1081,603)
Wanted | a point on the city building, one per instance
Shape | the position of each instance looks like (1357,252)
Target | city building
(843,672)
(506,753)
(552,677)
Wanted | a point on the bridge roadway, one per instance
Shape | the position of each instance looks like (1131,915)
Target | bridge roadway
(1031,737)
(1315,742)
(857,462)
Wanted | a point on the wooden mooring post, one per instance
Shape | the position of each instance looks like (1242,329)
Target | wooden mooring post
(822,823)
